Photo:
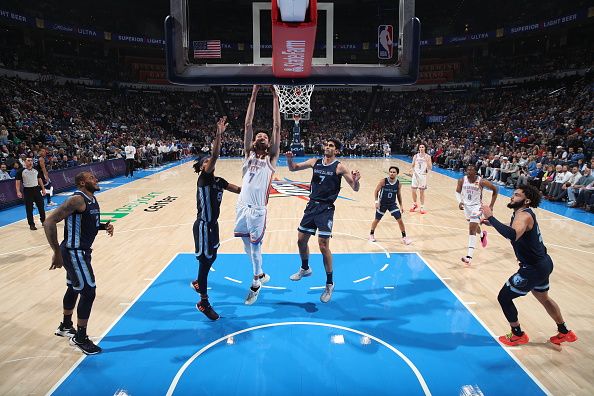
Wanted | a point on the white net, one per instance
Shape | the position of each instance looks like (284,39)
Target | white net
(294,99)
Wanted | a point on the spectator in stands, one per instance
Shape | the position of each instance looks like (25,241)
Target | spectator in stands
(561,178)
(576,190)
(574,176)
(4,175)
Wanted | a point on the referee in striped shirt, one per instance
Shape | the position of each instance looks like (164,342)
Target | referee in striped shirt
(33,191)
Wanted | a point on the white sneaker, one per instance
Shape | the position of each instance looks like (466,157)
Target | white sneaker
(301,274)
(406,240)
(264,279)
(372,238)
(52,204)
(327,294)
(466,260)
(253,295)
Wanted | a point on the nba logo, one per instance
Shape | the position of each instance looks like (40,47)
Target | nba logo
(385,35)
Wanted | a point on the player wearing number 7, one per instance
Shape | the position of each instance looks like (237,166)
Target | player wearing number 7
(469,194)
(319,212)
(259,164)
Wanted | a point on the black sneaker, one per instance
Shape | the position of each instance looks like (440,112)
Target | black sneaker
(207,310)
(86,346)
(63,331)
(32,227)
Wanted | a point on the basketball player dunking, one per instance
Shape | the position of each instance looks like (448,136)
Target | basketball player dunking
(535,266)
(209,194)
(261,155)
(469,194)
(319,212)
(421,166)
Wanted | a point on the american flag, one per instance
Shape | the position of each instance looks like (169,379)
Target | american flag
(207,49)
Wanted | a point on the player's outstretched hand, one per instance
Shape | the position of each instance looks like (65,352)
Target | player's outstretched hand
(461,206)
(487,211)
(289,155)
(356,175)
(222,124)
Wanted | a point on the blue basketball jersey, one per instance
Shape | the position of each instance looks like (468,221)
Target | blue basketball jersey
(209,194)
(325,182)
(530,249)
(80,229)
(388,193)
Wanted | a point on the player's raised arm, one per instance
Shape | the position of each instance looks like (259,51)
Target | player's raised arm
(248,134)
(275,138)
(216,146)
(293,167)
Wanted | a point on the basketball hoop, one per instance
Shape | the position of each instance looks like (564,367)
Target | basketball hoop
(294,99)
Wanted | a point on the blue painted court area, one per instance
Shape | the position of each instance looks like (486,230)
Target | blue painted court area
(556,207)
(17,213)
(392,327)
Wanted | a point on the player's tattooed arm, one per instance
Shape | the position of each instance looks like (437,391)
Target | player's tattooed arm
(75,203)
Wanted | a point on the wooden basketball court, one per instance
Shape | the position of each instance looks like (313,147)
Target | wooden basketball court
(148,235)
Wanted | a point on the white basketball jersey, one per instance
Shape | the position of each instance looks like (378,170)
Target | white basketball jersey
(472,193)
(257,175)
(421,164)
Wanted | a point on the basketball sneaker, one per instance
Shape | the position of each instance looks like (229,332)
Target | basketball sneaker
(414,207)
(372,238)
(327,294)
(264,278)
(301,274)
(63,331)
(423,211)
(466,260)
(559,338)
(253,294)
(484,239)
(207,310)
(85,345)
(406,240)
(513,340)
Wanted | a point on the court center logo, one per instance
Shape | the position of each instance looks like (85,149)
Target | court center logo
(290,188)
(287,188)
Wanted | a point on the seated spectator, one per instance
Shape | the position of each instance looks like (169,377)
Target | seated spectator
(561,177)
(4,175)
(574,176)
(574,191)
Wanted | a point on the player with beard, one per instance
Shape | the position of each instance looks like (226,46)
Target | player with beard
(535,266)
(261,155)
(81,212)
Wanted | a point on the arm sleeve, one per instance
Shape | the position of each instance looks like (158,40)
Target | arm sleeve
(505,230)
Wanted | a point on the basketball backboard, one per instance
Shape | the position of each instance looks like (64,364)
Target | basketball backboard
(347,46)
